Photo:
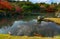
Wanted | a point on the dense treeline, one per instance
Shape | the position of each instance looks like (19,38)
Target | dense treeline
(38,7)
(30,8)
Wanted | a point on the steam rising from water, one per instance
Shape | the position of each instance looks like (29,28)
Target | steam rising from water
(28,28)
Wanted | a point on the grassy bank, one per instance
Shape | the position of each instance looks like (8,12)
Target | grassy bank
(6,36)
(56,20)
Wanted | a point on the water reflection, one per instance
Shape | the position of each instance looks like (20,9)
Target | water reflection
(30,27)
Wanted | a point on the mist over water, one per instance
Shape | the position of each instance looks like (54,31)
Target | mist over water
(28,28)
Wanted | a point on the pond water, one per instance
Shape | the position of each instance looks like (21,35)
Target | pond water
(29,26)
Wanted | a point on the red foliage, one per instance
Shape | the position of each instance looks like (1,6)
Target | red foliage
(5,4)
(50,9)
(18,9)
